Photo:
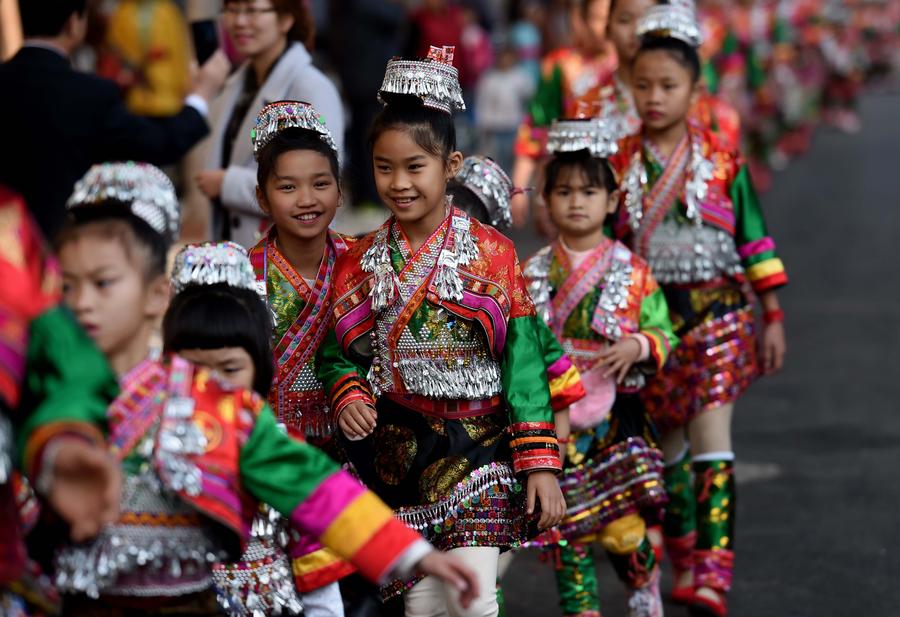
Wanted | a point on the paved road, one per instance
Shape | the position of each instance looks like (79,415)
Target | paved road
(819,484)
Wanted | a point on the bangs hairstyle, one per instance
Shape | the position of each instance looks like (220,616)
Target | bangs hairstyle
(467,201)
(144,247)
(293,138)
(678,50)
(304,28)
(217,316)
(597,171)
(431,129)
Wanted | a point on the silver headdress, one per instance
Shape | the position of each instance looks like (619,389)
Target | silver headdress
(678,20)
(596,135)
(211,263)
(145,189)
(487,180)
(280,115)
(434,80)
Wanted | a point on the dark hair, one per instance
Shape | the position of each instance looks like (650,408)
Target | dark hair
(304,28)
(467,201)
(431,129)
(678,50)
(290,139)
(113,219)
(612,7)
(46,18)
(217,316)
(597,171)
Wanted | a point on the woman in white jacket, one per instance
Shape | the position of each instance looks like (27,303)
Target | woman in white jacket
(273,36)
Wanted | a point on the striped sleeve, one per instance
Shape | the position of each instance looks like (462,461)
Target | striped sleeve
(657,327)
(563,378)
(319,498)
(756,247)
(340,377)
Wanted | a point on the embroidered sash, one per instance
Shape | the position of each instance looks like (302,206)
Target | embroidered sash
(660,199)
(579,282)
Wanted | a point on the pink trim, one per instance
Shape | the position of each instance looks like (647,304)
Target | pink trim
(348,321)
(490,306)
(318,511)
(559,367)
(756,247)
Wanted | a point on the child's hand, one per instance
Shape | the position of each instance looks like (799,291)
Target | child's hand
(619,358)
(773,347)
(453,573)
(357,420)
(85,487)
(544,489)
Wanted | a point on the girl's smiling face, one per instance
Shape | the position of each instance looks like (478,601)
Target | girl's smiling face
(301,194)
(411,181)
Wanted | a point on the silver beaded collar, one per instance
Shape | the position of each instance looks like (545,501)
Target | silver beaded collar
(696,187)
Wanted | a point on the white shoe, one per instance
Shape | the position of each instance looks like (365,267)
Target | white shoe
(646,601)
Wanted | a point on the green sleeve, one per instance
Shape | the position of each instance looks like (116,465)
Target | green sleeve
(67,379)
(547,104)
(756,248)
(749,222)
(524,378)
(523,373)
(657,327)
(280,470)
(332,366)
(550,347)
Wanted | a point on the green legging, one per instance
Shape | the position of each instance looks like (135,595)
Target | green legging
(576,576)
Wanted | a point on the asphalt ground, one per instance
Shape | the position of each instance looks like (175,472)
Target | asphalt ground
(818,446)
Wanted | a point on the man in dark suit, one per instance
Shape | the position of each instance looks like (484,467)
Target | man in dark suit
(57,122)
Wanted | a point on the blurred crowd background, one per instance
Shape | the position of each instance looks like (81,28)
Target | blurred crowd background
(505,48)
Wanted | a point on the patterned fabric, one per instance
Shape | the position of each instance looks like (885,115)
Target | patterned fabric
(610,295)
(715,361)
(725,202)
(576,581)
(613,469)
(229,446)
(716,507)
(680,522)
(301,322)
(421,323)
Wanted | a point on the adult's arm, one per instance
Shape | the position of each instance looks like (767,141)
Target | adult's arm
(122,135)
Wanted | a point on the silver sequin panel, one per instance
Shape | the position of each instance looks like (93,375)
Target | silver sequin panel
(142,560)
(679,253)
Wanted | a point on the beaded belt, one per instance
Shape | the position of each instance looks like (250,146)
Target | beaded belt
(448,410)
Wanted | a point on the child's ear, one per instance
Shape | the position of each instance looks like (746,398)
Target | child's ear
(159,292)
(454,164)
(262,201)
(612,202)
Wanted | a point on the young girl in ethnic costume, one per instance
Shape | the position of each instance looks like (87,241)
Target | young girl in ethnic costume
(483,190)
(601,301)
(689,208)
(195,452)
(299,189)
(567,74)
(216,320)
(430,369)
(613,99)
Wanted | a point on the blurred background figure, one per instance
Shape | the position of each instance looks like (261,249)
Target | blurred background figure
(275,37)
(500,102)
(62,121)
(147,53)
